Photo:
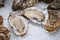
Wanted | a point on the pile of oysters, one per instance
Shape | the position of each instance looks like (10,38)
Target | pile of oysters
(30,12)
(19,21)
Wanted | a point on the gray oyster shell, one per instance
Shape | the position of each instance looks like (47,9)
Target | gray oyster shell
(22,4)
(54,5)
(4,32)
(53,21)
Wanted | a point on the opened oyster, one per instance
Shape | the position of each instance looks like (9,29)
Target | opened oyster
(34,14)
(54,5)
(53,21)
(1,3)
(18,23)
(22,4)
(4,32)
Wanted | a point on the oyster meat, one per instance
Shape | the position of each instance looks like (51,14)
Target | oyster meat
(1,3)
(54,5)
(34,15)
(18,23)
(4,32)
(22,4)
(53,21)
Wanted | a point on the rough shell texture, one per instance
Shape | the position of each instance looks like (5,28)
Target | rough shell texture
(19,24)
(4,32)
(22,4)
(54,5)
(53,21)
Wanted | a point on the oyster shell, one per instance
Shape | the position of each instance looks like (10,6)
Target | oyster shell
(18,23)
(22,4)
(54,5)
(34,14)
(53,21)
(4,32)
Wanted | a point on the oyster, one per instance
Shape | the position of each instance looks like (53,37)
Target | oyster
(4,32)
(54,5)
(53,21)
(34,14)
(1,3)
(22,4)
(18,23)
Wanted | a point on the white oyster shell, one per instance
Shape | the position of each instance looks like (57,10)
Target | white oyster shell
(19,24)
(36,15)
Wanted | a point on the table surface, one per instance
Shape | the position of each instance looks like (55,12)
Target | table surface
(35,31)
